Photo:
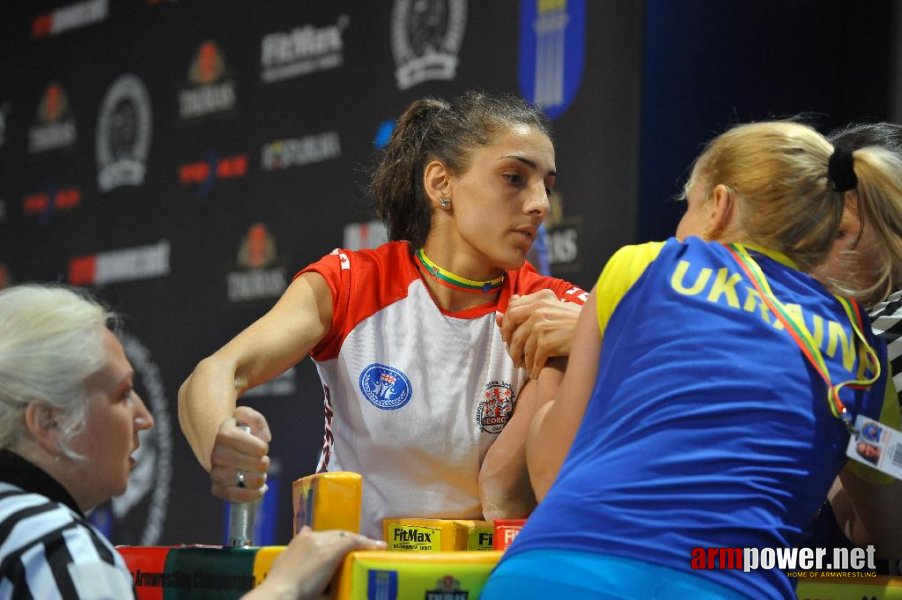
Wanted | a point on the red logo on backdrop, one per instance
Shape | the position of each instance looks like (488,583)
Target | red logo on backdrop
(258,249)
(42,26)
(41,203)
(207,65)
(204,173)
(53,105)
(71,16)
(54,128)
(83,270)
(122,264)
(262,275)
(211,91)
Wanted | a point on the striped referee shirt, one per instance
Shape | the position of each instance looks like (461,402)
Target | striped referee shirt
(887,322)
(48,549)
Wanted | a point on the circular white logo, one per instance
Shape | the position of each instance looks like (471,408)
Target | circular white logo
(426,36)
(123,133)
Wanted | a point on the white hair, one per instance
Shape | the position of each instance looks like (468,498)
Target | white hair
(51,340)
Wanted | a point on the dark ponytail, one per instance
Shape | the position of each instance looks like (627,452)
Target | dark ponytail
(397,183)
(432,129)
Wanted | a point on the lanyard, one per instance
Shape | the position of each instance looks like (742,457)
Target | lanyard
(796,328)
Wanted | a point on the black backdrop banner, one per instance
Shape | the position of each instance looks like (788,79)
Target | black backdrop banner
(186,158)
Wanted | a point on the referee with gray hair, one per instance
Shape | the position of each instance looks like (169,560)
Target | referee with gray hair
(69,423)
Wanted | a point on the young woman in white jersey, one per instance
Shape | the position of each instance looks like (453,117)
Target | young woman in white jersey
(419,389)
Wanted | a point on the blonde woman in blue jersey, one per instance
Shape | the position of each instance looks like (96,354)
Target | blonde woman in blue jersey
(717,411)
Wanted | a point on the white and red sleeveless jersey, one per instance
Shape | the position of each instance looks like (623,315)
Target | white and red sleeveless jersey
(414,395)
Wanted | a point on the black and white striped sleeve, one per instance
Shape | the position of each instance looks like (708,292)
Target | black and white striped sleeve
(887,322)
(48,551)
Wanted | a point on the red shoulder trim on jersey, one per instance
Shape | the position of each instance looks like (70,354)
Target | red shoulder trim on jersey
(527,280)
(362,282)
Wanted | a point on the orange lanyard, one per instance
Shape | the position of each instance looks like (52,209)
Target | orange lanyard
(796,328)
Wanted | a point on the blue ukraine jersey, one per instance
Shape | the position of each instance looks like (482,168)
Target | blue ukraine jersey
(707,427)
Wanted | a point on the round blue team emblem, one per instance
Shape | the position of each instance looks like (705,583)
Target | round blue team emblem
(385,387)
(871,432)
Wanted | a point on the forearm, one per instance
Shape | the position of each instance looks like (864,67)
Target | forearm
(554,427)
(504,485)
(504,488)
(544,451)
(206,399)
(869,513)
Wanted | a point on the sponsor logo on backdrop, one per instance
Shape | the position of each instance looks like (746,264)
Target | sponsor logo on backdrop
(123,133)
(562,237)
(383,133)
(425,37)
(69,17)
(4,110)
(55,127)
(6,278)
(49,201)
(359,236)
(137,516)
(493,413)
(552,52)
(296,152)
(262,275)
(205,173)
(213,91)
(303,50)
(127,264)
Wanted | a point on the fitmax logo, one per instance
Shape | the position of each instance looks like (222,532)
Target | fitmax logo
(413,535)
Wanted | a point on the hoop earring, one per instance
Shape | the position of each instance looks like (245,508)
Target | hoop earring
(445,203)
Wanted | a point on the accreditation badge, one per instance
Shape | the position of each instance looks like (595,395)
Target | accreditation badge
(877,446)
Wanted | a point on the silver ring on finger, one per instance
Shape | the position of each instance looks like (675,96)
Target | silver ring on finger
(239,479)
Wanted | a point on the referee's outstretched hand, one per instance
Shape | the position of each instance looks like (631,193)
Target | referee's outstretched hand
(304,568)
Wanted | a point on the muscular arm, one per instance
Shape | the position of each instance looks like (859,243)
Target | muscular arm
(555,424)
(273,343)
(538,330)
(504,487)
